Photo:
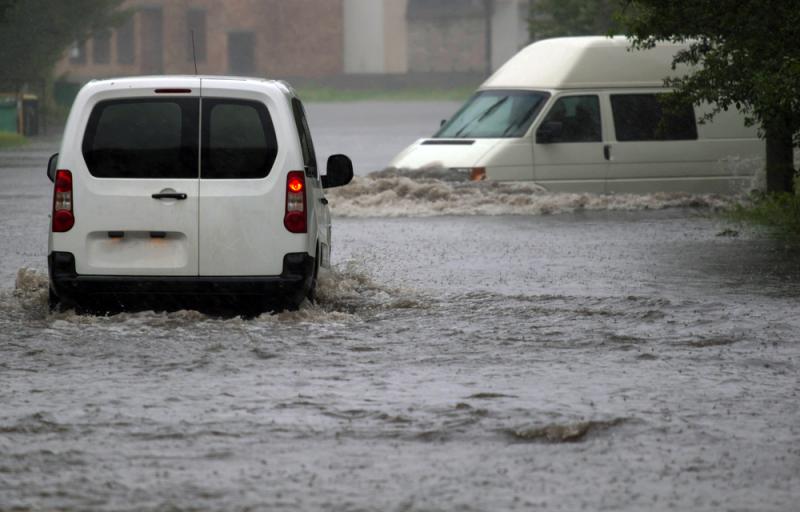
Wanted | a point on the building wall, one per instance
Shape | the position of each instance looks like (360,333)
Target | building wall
(297,38)
(509,30)
(450,35)
(440,45)
(364,36)
(395,36)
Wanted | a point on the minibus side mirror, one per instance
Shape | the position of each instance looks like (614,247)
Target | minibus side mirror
(549,131)
(51,167)
(340,171)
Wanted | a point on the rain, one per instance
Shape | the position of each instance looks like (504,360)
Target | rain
(475,345)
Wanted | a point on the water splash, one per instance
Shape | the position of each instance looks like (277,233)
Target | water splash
(343,294)
(563,433)
(394,193)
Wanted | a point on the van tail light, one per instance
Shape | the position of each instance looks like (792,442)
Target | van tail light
(63,217)
(295,219)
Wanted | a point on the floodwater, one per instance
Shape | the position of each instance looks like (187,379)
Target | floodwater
(476,347)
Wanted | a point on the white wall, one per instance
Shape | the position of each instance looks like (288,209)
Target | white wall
(364,36)
(509,30)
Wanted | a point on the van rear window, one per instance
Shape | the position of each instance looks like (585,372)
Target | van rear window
(143,138)
(239,140)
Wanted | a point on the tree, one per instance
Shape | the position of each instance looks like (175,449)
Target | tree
(743,54)
(35,33)
(556,18)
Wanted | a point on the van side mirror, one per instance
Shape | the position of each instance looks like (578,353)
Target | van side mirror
(51,167)
(340,171)
(548,132)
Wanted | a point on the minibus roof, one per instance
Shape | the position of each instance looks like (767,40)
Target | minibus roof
(586,62)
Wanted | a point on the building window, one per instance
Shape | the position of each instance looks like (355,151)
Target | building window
(241,53)
(101,47)
(125,42)
(196,22)
(77,54)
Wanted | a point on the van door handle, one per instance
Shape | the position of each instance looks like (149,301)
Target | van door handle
(170,195)
(323,201)
(607,151)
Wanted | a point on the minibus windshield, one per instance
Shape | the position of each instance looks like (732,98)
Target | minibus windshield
(494,114)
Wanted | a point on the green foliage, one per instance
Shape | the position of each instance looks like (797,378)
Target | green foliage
(11,140)
(558,18)
(35,33)
(778,213)
(742,54)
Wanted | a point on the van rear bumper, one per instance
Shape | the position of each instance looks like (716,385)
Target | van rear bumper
(108,292)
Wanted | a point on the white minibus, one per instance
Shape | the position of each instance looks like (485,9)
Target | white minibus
(589,114)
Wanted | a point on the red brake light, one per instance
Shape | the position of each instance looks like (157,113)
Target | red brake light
(63,217)
(295,184)
(295,218)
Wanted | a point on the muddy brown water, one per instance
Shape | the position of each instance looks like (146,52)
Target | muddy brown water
(624,354)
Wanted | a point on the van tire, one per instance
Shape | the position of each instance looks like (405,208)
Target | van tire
(311,294)
(53,302)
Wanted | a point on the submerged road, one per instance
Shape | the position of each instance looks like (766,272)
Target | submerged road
(616,356)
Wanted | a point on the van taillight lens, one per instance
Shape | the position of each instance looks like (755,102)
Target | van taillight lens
(63,217)
(295,218)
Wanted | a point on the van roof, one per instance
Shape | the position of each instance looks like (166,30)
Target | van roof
(164,80)
(585,62)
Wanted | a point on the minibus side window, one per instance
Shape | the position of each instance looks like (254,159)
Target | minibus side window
(239,140)
(648,117)
(573,119)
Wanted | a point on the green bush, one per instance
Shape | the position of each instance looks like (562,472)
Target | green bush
(11,140)
(778,213)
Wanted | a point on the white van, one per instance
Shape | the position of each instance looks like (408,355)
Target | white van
(588,114)
(185,188)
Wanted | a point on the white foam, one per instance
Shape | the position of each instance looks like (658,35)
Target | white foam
(343,294)
(394,194)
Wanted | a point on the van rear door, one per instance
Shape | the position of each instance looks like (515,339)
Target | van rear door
(136,188)
(242,200)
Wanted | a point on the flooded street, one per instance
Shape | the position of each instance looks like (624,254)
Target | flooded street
(554,352)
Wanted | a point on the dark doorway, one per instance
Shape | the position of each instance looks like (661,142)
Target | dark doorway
(241,53)
(152,41)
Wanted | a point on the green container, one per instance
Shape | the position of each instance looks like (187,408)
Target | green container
(8,114)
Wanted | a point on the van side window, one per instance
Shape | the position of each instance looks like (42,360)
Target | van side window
(576,118)
(238,140)
(306,144)
(142,138)
(640,117)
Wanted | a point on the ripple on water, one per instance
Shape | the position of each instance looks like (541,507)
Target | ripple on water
(563,432)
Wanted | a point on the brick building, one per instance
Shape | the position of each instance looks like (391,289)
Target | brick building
(275,38)
(303,39)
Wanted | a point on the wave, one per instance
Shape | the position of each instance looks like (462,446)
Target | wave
(344,293)
(427,193)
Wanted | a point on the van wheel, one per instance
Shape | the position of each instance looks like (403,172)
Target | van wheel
(53,302)
(311,294)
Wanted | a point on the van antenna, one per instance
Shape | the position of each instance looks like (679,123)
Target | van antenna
(194,54)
